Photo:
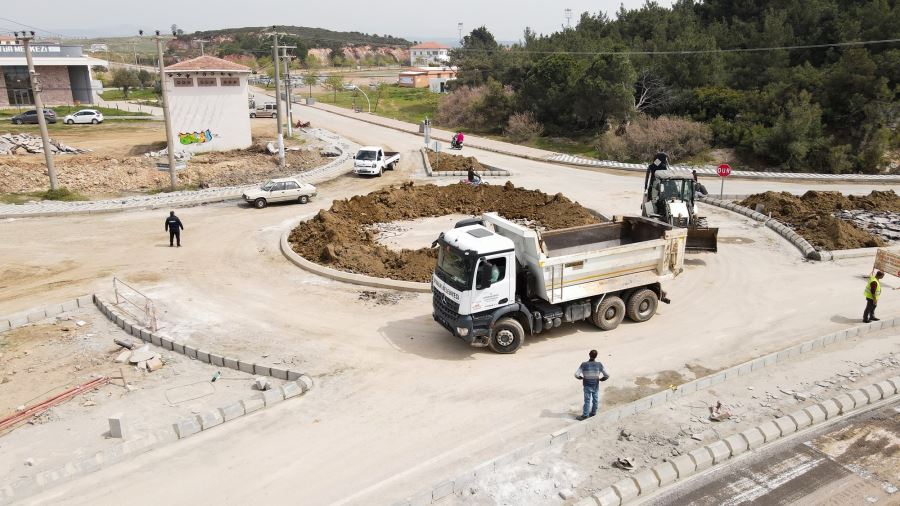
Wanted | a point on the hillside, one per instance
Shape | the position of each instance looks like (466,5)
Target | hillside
(312,37)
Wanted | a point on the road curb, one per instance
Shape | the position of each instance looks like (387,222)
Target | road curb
(345,277)
(35,315)
(877,394)
(606,417)
(491,172)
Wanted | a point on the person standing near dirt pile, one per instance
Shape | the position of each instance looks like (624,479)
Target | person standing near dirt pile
(591,373)
(174,226)
(872,292)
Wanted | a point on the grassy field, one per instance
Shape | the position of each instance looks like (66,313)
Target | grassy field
(405,104)
(63,110)
(135,94)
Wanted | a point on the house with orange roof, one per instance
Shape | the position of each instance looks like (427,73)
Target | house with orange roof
(429,53)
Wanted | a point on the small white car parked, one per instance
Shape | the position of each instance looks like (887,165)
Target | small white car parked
(84,116)
(280,190)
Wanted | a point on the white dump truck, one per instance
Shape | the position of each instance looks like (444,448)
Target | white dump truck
(373,160)
(496,281)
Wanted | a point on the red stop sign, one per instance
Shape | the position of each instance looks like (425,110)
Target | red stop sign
(724,170)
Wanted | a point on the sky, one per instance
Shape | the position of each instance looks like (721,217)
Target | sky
(506,19)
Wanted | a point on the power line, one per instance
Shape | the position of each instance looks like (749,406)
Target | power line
(36,28)
(685,52)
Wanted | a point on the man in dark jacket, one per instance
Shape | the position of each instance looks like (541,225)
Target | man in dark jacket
(174,226)
(591,373)
(660,162)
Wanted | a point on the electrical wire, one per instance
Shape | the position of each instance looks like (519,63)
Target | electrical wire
(36,28)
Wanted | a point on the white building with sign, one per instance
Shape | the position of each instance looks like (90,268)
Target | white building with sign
(208,104)
(63,72)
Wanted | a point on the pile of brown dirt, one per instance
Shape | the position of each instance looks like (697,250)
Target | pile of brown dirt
(812,215)
(453,163)
(97,176)
(339,237)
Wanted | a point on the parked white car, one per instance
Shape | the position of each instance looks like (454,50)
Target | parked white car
(84,116)
(280,190)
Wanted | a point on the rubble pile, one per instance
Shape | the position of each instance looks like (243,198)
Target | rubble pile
(882,224)
(11,144)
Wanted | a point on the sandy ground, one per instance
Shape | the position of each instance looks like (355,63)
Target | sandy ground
(399,402)
(415,234)
(585,465)
(41,360)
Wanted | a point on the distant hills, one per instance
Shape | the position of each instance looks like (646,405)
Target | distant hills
(312,37)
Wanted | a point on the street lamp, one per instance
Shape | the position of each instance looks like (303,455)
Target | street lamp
(357,88)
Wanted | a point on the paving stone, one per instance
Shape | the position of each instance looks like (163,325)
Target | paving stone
(216,360)
(231,363)
(754,437)
(254,404)
(815,413)
(246,367)
(736,444)
(665,473)
(859,398)
(279,373)
(702,458)
(626,488)
(190,351)
(801,419)
(272,397)
(166,343)
(607,497)
(770,431)
(873,393)
(291,389)
(203,356)
(647,481)
(720,451)
(231,411)
(886,388)
(293,375)
(262,370)
(786,425)
(187,427)
(210,418)
(178,348)
(845,402)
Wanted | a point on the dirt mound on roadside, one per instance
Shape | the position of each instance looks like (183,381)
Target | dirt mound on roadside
(452,163)
(813,215)
(339,237)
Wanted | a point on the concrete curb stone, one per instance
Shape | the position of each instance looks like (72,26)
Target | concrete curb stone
(607,497)
(720,451)
(251,405)
(770,431)
(702,458)
(830,407)
(646,480)
(231,411)
(626,489)
(873,393)
(815,413)
(665,473)
(785,425)
(187,427)
(860,398)
(210,418)
(684,465)
(737,444)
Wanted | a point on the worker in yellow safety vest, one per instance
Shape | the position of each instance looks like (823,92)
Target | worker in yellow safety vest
(873,291)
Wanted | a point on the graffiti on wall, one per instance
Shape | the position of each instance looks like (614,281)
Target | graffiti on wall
(196,137)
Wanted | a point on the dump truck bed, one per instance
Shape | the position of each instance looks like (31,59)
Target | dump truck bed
(591,260)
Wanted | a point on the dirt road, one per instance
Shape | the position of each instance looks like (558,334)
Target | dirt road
(399,403)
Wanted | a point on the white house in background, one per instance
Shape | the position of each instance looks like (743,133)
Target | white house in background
(208,104)
(8,40)
(429,53)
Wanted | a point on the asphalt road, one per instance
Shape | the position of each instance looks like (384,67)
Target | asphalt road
(856,461)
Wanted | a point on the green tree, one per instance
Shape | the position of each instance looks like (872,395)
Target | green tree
(334,82)
(605,90)
(145,78)
(125,79)
(310,79)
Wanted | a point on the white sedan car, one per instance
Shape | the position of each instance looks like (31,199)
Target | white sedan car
(280,190)
(84,116)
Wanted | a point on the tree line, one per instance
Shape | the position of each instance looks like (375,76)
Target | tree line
(823,109)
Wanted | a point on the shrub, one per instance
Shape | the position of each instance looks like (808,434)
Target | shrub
(523,127)
(484,108)
(679,137)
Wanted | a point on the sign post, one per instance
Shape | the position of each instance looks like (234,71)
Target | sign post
(724,171)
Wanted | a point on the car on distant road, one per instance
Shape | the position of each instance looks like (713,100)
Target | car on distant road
(31,117)
(269,110)
(84,116)
(349,86)
(280,190)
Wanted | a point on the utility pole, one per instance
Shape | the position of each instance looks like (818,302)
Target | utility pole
(134,50)
(287,72)
(459,28)
(167,114)
(278,98)
(25,39)
(202,46)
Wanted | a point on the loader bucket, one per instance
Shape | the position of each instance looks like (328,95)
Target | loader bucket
(702,239)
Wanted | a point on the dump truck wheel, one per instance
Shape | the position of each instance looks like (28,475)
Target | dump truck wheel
(609,313)
(642,305)
(507,336)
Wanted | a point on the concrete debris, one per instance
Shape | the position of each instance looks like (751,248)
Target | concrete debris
(698,437)
(270,147)
(125,343)
(884,224)
(719,412)
(142,365)
(180,156)
(154,364)
(123,357)
(625,463)
(10,144)
(330,151)
(801,396)
(29,462)
(81,323)
(142,354)
(566,494)
(88,404)
(262,383)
